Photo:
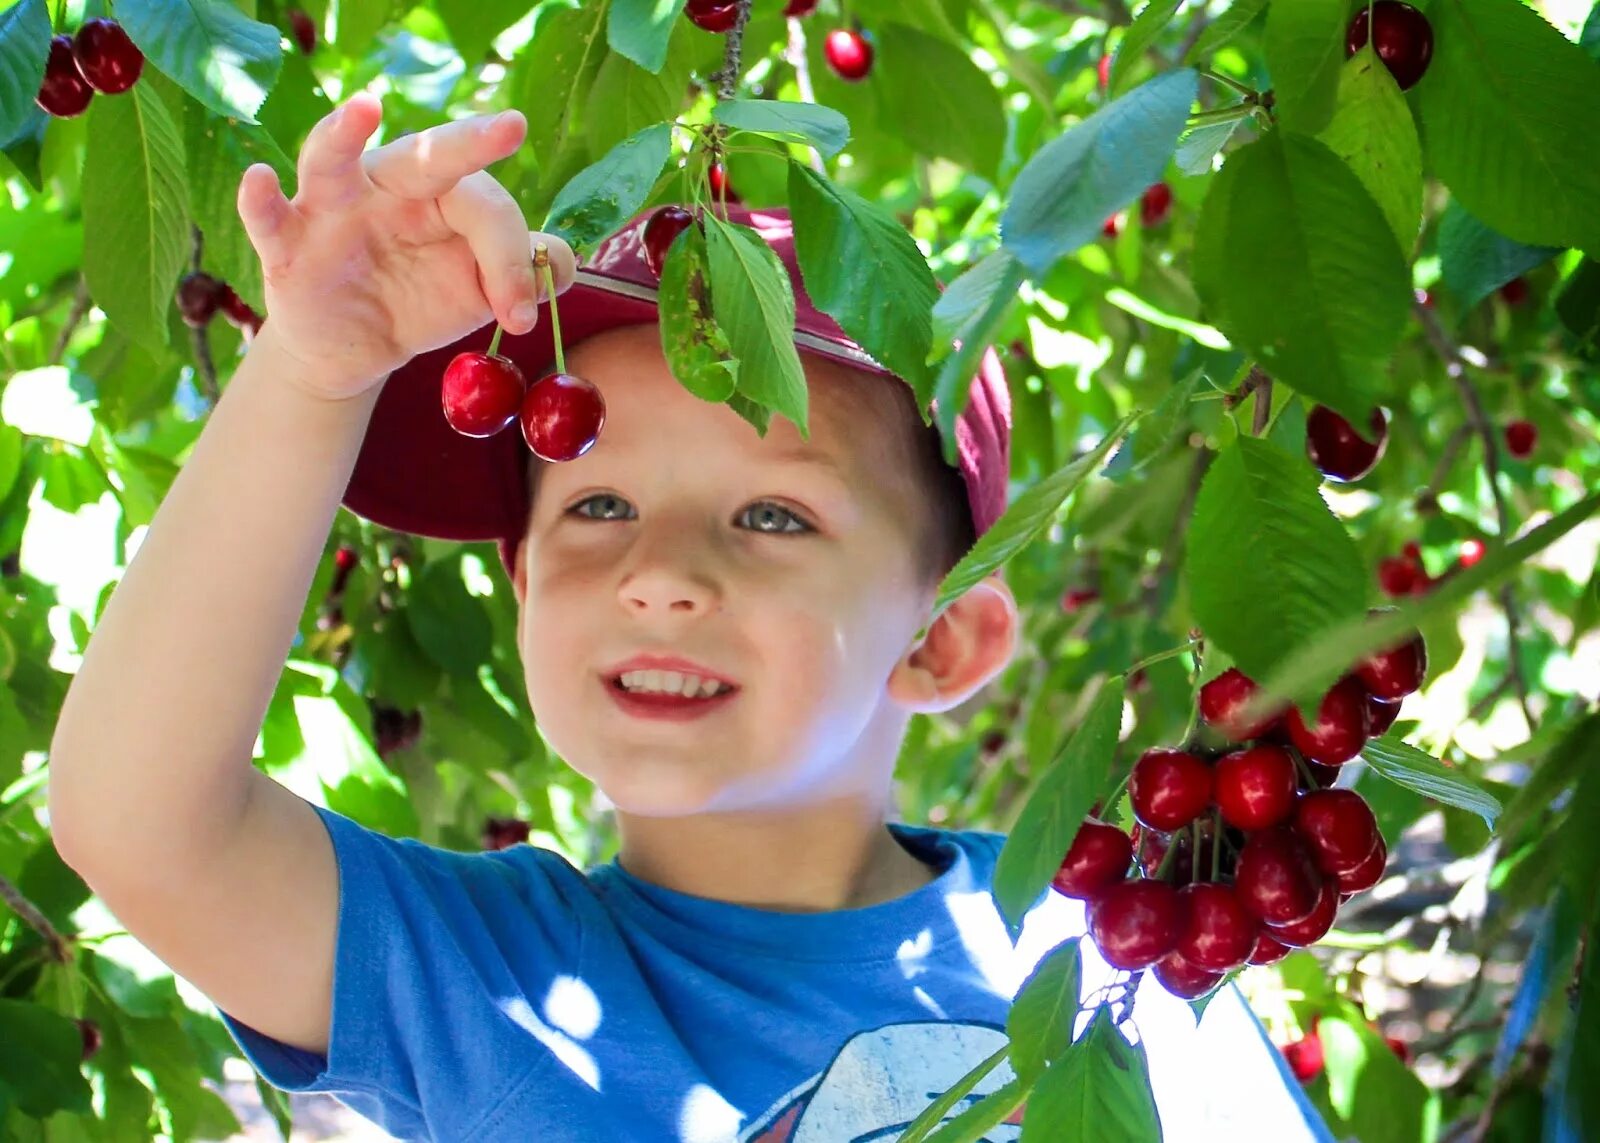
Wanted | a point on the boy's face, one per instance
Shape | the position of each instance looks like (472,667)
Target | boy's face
(682,531)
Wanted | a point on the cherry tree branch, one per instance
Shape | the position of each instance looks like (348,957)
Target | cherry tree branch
(60,947)
(1455,365)
(81,303)
(727,77)
(204,366)
(1428,499)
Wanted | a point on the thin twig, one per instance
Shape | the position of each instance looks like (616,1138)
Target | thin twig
(1441,470)
(727,77)
(204,366)
(1263,409)
(60,947)
(795,53)
(81,303)
(1180,527)
(1455,365)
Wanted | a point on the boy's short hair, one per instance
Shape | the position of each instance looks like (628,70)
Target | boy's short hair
(947,532)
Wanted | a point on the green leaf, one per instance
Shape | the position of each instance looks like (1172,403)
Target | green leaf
(601,197)
(1151,21)
(863,269)
(448,622)
(1376,1094)
(563,57)
(971,311)
(474,24)
(959,116)
(1158,430)
(358,22)
(1572,1107)
(641,30)
(1041,1017)
(135,212)
(1589,37)
(1055,809)
(1198,150)
(1557,770)
(24,48)
(1099,1090)
(1298,266)
(39,1061)
(1474,260)
(1417,770)
(934,1114)
(1224,27)
(696,349)
(1033,512)
(822,127)
(1504,105)
(1578,307)
(1063,197)
(1304,47)
(1269,566)
(626,99)
(1316,665)
(754,303)
(212,50)
(1372,131)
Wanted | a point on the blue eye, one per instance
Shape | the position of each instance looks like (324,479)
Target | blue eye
(769,505)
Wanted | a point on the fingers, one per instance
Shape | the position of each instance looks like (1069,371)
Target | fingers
(486,215)
(429,163)
(331,171)
(563,262)
(270,221)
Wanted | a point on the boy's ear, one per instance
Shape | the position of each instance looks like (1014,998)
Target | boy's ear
(968,645)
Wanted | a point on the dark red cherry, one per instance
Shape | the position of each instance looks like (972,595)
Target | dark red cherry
(1155,204)
(482,393)
(1267,950)
(1169,788)
(848,53)
(199,295)
(1097,859)
(1403,39)
(1337,450)
(1521,436)
(1391,675)
(106,57)
(1256,788)
(1382,716)
(562,416)
(303,29)
(502,833)
(1338,827)
(712,15)
(63,92)
(659,231)
(1277,879)
(1183,979)
(799,8)
(1368,873)
(1215,931)
(1307,931)
(1222,702)
(1305,1057)
(1135,924)
(1342,727)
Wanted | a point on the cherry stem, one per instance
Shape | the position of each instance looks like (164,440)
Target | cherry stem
(1222,115)
(1167,859)
(1169,653)
(1194,853)
(1122,784)
(1305,771)
(541,259)
(1216,844)
(1227,81)
(494,343)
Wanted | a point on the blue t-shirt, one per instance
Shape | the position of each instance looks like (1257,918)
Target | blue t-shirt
(508,995)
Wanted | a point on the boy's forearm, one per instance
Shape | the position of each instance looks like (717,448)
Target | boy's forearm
(154,741)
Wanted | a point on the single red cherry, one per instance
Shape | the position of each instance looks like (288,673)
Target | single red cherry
(1097,859)
(1402,38)
(1103,71)
(1393,674)
(562,416)
(1134,924)
(1368,873)
(236,310)
(659,231)
(717,176)
(712,15)
(798,8)
(1169,788)
(1424,298)
(1380,716)
(1215,931)
(106,57)
(1338,827)
(848,54)
(1338,451)
(199,295)
(1183,979)
(1155,204)
(1399,1047)
(1472,551)
(1515,292)
(1322,777)
(1342,727)
(1222,702)
(1267,950)
(1397,575)
(63,93)
(1305,1056)
(1256,788)
(1307,931)
(482,393)
(1112,226)
(503,833)
(1076,599)
(89,1033)
(303,29)
(1521,436)
(1277,879)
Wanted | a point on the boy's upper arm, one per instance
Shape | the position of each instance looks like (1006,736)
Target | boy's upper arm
(252,925)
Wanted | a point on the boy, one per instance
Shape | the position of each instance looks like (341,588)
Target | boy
(768,958)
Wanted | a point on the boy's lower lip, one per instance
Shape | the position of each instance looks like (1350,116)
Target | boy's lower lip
(666,708)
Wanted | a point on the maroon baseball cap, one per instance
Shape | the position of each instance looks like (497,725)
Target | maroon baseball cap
(416,474)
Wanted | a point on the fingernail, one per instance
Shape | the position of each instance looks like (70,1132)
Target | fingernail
(525,313)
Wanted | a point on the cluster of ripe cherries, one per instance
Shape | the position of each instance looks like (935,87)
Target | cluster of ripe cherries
(848,52)
(100,57)
(1240,857)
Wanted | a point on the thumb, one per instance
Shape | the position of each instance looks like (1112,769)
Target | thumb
(270,221)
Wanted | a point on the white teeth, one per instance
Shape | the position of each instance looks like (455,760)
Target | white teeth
(672,682)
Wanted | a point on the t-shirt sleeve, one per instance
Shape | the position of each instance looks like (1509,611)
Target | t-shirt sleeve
(422,952)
